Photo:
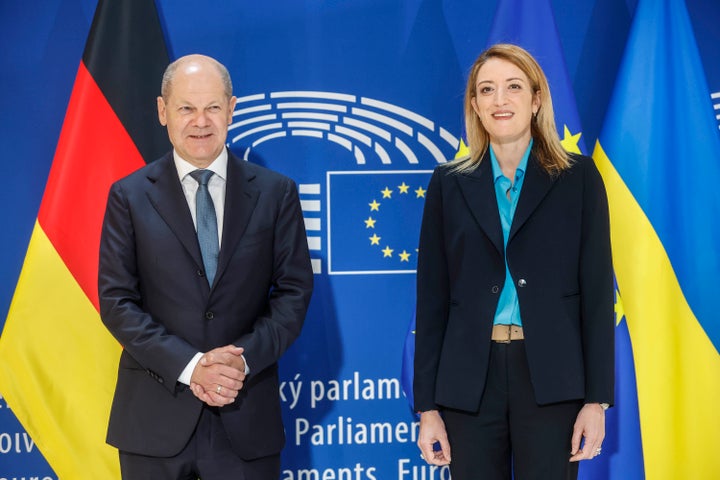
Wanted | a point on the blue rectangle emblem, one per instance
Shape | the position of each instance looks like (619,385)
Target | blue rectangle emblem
(374,221)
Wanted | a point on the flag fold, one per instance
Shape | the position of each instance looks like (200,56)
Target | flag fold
(58,363)
(658,144)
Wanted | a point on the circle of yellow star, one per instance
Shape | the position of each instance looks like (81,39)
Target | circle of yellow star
(403,188)
(387,252)
(420,192)
(374,206)
(404,256)
(374,240)
(387,193)
(370,222)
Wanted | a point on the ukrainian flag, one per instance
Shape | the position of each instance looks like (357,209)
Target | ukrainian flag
(659,154)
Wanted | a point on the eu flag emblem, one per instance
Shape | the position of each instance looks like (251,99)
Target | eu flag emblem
(374,220)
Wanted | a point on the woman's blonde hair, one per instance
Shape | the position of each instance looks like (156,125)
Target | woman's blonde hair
(546,144)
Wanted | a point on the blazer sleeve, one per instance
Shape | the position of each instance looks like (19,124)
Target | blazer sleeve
(432,297)
(161,353)
(292,283)
(597,290)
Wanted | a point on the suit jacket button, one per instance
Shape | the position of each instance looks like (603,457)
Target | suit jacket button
(522,283)
(209,315)
(200,273)
(495,289)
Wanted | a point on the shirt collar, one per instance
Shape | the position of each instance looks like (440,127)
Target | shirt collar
(519,172)
(218,166)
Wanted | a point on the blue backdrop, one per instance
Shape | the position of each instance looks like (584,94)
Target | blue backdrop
(357,101)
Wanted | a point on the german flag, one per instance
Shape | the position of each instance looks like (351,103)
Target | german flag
(58,363)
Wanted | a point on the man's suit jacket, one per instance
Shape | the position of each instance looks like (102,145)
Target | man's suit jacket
(559,257)
(155,299)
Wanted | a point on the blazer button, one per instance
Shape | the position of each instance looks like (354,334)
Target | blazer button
(200,273)
(522,283)
(495,289)
(209,315)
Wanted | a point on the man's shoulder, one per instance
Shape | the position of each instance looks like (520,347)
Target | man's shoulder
(261,173)
(150,170)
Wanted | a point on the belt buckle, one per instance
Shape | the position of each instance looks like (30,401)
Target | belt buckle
(509,336)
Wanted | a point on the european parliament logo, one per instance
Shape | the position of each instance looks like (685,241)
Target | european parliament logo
(374,220)
(364,218)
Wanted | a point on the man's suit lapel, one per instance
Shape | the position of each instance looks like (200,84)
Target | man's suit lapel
(166,195)
(536,185)
(479,191)
(241,197)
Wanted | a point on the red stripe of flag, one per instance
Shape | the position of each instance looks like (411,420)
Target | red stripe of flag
(110,125)
(94,150)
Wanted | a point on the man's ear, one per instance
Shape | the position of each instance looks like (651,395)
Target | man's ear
(233,102)
(162,111)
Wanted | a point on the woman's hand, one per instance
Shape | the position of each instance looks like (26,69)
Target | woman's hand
(432,431)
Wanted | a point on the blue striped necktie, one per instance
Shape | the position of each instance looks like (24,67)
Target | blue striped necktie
(207,229)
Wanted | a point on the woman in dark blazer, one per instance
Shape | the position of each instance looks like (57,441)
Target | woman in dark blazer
(514,359)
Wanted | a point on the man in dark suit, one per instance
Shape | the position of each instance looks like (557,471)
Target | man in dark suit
(205,280)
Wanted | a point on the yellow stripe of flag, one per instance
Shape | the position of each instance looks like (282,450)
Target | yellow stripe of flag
(677,366)
(67,333)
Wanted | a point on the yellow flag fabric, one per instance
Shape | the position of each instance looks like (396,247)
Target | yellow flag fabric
(57,366)
(58,363)
(677,367)
(658,143)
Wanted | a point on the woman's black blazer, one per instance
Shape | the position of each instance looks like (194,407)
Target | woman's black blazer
(560,260)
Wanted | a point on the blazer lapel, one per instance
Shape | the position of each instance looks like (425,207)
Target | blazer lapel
(241,198)
(536,185)
(479,191)
(166,196)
